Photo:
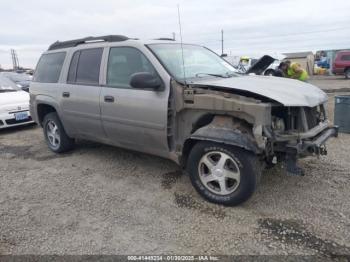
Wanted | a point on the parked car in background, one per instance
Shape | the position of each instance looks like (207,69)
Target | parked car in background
(22,80)
(14,104)
(270,71)
(265,65)
(245,63)
(273,67)
(341,64)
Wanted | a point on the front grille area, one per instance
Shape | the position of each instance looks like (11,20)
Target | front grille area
(300,119)
(312,116)
(13,121)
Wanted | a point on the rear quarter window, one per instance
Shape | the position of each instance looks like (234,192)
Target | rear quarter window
(49,67)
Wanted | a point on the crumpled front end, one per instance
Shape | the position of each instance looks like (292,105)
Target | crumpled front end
(298,132)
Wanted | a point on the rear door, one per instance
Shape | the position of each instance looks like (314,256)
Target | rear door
(133,118)
(80,97)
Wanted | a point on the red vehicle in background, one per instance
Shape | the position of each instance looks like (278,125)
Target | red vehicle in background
(341,64)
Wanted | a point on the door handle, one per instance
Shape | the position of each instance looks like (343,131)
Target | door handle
(109,99)
(65,94)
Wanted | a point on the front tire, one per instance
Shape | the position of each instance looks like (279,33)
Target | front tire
(55,136)
(223,174)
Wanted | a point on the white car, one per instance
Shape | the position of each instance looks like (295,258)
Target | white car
(14,105)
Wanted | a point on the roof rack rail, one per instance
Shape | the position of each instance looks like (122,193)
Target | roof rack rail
(164,38)
(75,42)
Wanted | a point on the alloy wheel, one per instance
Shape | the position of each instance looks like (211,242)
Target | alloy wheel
(53,135)
(219,173)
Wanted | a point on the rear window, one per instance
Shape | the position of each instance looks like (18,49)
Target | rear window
(85,66)
(49,68)
(345,57)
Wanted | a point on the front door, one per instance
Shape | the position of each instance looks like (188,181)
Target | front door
(133,118)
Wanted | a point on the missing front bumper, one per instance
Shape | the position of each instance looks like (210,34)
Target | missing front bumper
(314,146)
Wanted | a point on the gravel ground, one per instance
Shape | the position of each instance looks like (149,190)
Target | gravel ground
(331,84)
(99,199)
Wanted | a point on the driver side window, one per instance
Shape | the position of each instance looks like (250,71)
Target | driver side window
(123,62)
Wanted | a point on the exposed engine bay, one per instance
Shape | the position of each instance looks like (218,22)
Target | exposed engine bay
(275,132)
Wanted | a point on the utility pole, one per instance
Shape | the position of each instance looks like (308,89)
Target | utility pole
(222,41)
(14,59)
(174,36)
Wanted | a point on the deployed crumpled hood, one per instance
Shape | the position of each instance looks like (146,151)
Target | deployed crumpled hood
(14,98)
(288,92)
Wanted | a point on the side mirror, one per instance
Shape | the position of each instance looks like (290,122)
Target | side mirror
(145,80)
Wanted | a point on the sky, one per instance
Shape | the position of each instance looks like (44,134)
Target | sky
(251,27)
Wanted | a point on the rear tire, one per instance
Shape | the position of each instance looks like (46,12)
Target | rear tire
(347,73)
(56,138)
(223,174)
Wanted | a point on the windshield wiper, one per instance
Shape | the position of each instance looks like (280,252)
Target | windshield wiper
(208,74)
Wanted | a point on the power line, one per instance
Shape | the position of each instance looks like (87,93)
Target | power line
(282,43)
(303,33)
(321,46)
(281,35)
(247,28)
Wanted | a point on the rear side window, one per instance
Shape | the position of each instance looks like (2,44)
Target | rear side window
(49,68)
(345,57)
(85,66)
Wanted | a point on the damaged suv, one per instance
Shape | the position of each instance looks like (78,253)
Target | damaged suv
(182,102)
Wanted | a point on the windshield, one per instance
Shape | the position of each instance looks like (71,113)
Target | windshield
(198,61)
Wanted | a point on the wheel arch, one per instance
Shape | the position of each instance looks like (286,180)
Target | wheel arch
(42,110)
(222,129)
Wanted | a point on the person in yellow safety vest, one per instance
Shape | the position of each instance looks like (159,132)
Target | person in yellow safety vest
(244,60)
(293,70)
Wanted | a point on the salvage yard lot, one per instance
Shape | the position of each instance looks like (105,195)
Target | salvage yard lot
(99,199)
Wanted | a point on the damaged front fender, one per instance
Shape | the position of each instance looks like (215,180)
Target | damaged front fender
(223,129)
